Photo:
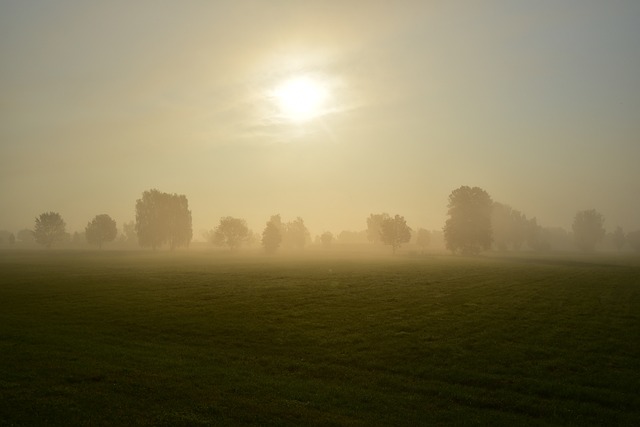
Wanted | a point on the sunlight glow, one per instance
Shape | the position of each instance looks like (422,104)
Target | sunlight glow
(300,98)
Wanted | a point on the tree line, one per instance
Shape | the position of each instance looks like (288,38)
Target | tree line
(475,223)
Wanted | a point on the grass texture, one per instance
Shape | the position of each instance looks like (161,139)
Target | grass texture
(136,338)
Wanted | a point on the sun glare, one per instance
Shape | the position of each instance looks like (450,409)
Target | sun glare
(300,98)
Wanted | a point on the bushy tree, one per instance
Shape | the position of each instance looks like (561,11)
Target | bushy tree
(588,229)
(100,230)
(231,232)
(49,229)
(394,232)
(508,227)
(618,238)
(163,218)
(468,228)
(326,239)
(374,226)
(423,238)
(296,234)
(272,234)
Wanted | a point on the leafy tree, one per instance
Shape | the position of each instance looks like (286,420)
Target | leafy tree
(296,234)
(468,228)
(374,226)
(100,230)
(163,218)
(49,229)
(231,232)
(272,234)
(326,239)
(509,227)
(633,238)
(588,229)
(394,232)
(423,238)
(618,238)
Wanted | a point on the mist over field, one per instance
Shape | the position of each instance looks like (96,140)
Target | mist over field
(320,213)
(328,112)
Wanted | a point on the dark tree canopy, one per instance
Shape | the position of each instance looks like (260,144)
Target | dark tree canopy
(100,230)
(374,227)
(163,218)
(394,232)
(49,229)
(272,234)
(588,229)
(468,228)
(231,232)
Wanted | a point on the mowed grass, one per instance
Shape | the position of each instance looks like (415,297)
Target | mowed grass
(117,338)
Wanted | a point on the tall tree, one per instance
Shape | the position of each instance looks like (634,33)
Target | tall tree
(394,232)
(468,228)
(163,218)
(374,226)
(49,229)
(272,234)
(100,230)
(231,232)
(588,229)
(296,234)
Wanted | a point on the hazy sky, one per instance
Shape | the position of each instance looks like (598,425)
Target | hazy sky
(537,102)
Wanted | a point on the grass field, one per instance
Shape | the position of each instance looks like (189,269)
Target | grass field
(135,338)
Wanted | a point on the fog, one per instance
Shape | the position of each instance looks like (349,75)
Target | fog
(537,103)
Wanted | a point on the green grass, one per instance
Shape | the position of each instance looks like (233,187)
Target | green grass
(117,338)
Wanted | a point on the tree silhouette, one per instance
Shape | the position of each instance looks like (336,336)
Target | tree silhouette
(163,218)
(49,229)
(295,234)
(231,232)
(394,232)
(100,230)
(272,234)
(509,227)
(374,227)
(588,229)
(468,228)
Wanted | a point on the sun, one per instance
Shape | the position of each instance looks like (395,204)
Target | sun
(300,98)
